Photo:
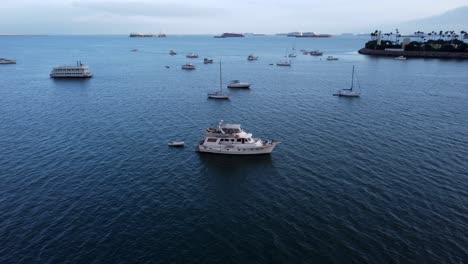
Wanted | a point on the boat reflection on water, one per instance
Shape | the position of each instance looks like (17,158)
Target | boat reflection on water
(233,164)
(229,178)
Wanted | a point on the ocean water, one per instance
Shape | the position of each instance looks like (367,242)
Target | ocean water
(86,175)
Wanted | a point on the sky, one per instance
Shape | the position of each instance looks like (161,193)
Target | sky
(212,16)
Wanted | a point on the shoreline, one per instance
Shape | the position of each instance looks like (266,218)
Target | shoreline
(415,54)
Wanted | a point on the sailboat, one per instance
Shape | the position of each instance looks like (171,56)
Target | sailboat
(293,53)
(219,94)
(349,92)
(284,63)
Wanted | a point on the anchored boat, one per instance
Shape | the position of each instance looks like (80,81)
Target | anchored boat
(238,84)
(78,71)
(232,139)
(349,92)
(219,94)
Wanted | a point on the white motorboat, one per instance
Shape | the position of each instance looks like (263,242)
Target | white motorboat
(292,55)
(232,139)
(78,71)
(238,84)
(176,143)
(284,63)
(172,52)
(349,92)
(207,61)
(192,56)
(331,58)
(219,94)
(188,66)
(400,58)
(251,57)
(7,61)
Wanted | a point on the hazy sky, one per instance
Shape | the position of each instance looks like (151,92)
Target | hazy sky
(211,16)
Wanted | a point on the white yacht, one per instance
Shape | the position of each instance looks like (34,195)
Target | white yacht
(71,71)
(232,139)
(284,63)
(192,56)
(331,58)
(172,52)
(7,61)
(188,66)
(349,92)
(238,84)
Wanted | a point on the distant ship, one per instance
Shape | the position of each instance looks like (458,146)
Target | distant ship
(313,35)
(230,35)
(140,35)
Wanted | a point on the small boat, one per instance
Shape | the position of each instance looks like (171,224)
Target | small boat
(7,61)
(292,55)
(134,50)
(400,58)
(172,52)
(251,57)
(192,56)
(167,67)
(284,63)
(188,66)
(316,53)
(331,58)
(219,94)
(238,84)
(207,61)
(175,143)
(349,92)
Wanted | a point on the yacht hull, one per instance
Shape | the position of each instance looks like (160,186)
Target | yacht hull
(242,86)
(232,150)
(70,77)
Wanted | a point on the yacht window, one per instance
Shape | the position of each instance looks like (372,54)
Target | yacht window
(238,140)
(232,140)
(211,140)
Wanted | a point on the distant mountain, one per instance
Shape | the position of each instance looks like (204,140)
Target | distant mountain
(455,19)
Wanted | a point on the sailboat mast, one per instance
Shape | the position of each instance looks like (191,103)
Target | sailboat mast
(352,79)
(220,78)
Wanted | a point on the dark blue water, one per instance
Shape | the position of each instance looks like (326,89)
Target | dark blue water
(87,177)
